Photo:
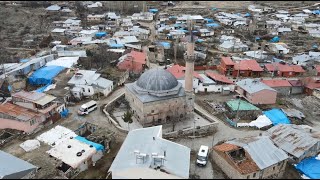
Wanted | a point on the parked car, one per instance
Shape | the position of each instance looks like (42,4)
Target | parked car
(202,157)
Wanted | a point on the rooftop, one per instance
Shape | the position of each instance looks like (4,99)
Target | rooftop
(10,164)
(277,83)
(248,65)
(241,105)
(35,97)
(227,60)
(218,77)
(294,139)
(148,143)
(16,111)
(253,85)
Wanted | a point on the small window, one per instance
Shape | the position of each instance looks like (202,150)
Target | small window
(88,90)
(152,111)
(254,174)
(274,168)
(279,163)
(248,177)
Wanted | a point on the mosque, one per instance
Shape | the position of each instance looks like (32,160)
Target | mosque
(156,98)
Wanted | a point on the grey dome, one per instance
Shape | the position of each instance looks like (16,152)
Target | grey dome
(157,80)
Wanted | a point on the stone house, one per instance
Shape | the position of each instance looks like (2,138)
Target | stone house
(250,158)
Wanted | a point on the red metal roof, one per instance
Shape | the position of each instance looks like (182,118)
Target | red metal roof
(248,65)
(179,71)
(134,62)
(284,67)
(276,82)
(227,60)
(219,77)
(313,84)
(16,111)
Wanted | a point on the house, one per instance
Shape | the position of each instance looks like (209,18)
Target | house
(19,118)
(226,66)
(256,92)
(87,83)
(258,55)
(96,17)
(12,167)
(282,86)
(221,81)
(284,70)
(247,68)
(179,73)
(244,109)
(206,84)
(314,33)
(76,155)
(279,48)
(88,33)
(206,33)
(72,23)
(53,8)
(39,102)
(299,141)
(297,86)
(58,32)
(144,154)
(134,61)
(273,24)
(250,158)
(233,46)
(310,85)
(144,16)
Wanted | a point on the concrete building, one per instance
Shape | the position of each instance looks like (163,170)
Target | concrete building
(282,86)
(19,118)
(87,83)
(284,70)
(12,167)
(38,102)
(250,158)
(156,98)
(256,92)
(146,155)
(299,141)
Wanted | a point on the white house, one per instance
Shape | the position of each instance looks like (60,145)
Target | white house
(87,81)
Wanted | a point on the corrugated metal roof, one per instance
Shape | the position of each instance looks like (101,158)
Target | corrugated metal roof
(29,96)
(45,100)
(253,86)
(242,106)
(10,165)
(261,149)
(16,111)
(293,139)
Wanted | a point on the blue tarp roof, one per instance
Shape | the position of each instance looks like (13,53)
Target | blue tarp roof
(44,75)
(277,116)
(116,45)
(212,25)
(164,44)
(316,12)
(209,20)
(247,15)
(100,34)
(98,147)
(24,60)
(40,90)
(200,40)
(153,10)
(275,39)
(310,167)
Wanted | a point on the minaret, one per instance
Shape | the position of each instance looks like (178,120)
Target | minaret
(189,74)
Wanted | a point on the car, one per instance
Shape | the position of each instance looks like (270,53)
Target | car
(202,156)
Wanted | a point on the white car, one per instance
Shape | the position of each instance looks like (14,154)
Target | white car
(202,157)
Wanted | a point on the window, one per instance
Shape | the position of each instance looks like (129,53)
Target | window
(152,111)
(248,177)
(88,90)
(254,174)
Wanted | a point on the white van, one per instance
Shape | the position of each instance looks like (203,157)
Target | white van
(202,157)
(87,108)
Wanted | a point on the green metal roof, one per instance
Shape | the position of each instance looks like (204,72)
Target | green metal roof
(243,106)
